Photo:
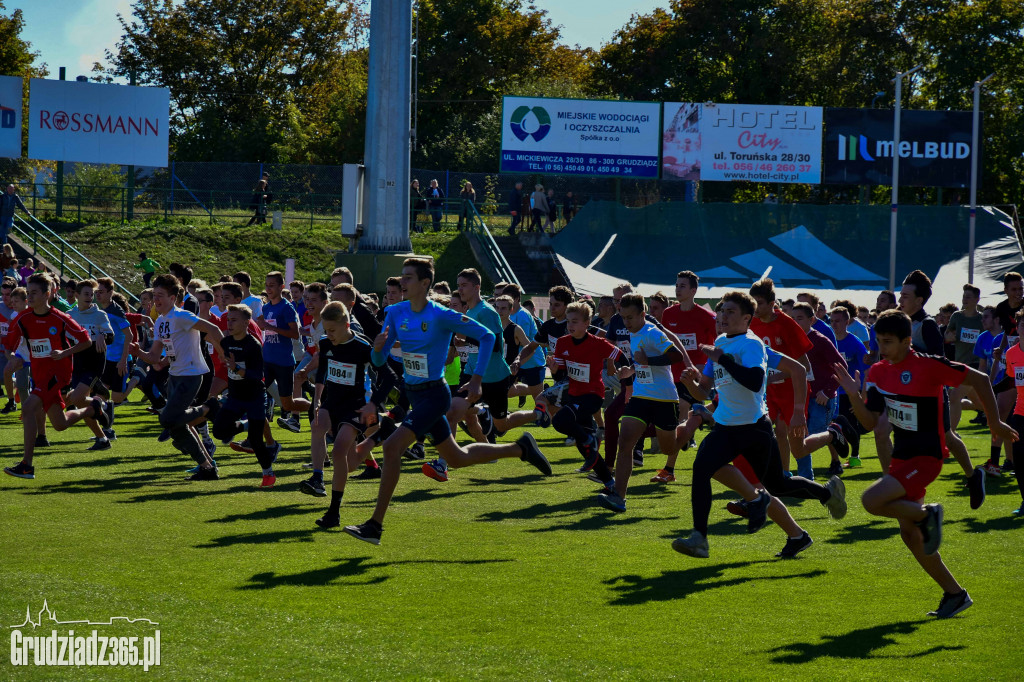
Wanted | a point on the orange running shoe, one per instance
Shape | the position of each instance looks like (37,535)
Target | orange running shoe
(663,477)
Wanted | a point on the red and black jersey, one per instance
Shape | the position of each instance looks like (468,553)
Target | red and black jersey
(45,333)
(583,361)
(911,393)
(693,327)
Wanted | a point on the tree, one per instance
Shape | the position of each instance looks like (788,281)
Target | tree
(258,81)
(18,59)
(470,53)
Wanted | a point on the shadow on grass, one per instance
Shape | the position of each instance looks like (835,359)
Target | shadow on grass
(671,585)
(570,516)
(875,529)
(278,512)
(973,525)
(856,644)
(347,568)
(273,537)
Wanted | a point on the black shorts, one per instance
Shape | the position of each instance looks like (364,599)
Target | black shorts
(344,413)
(531,377)
(494,394)
(685,395)
(87,368)
(204,389)
(664,415)
(282,374)
(88,376)
(112,379)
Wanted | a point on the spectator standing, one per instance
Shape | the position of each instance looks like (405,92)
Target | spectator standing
(552,212)
(9,201)
(148,267)
(260,198)
(539,208)
(416,204)
(435,204)
(515,207)
(569,207)
(468,196)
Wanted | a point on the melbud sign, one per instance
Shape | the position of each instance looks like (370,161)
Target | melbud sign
(98,123)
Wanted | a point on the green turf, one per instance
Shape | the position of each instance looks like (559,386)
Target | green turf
(497,574)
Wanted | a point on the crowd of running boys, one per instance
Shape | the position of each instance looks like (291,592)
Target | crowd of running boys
(772,381)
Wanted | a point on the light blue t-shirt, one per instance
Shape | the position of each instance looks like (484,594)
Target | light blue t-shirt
(425,337)
(736,404)
(277,349)
(119,324)
(652,382)
(497,369)
(525,320)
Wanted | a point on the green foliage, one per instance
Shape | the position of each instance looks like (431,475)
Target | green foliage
(96,185)
(248,82)
(18,59)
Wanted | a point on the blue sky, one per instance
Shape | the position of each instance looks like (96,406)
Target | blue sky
(75,33)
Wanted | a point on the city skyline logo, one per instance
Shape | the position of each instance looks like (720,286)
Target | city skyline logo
(51,617)
(519,117)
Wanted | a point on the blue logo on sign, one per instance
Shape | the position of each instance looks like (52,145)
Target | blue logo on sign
(6,117)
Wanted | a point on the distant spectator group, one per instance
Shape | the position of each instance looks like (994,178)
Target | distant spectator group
(541,207)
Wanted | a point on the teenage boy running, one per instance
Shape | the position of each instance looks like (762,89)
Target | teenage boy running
(910,387)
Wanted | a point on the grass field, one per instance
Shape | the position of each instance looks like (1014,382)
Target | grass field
(498,574)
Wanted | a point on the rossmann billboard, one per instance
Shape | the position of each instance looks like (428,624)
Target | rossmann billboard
(934,149)
(98,123)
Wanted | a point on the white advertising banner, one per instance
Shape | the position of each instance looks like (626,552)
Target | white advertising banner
(761,143)
(580,137)
(10,117)
(98,123)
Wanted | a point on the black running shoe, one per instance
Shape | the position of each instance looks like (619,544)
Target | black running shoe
(839,441)
(204,475)
(532,454)
(976,486)
(9,407)
(42,441)
(100,444)
(485,419)
(952,604)
(329,520)
(835,469)
(368,473)
(522,401)
(313,486)
(638,457)
(21,470)
(367,532)
(108,409)
(164,436)
(110,434)
(757,511)
(416,452)
(931,528)
(99,412)
(795,546)
(387,427)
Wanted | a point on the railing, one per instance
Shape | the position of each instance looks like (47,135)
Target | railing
(61,254)
(86,203)
(490,247)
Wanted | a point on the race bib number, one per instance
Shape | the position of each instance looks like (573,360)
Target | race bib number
(689,341)
(4,328)
(777,377)
(901,414)
(463,352)
(1018,376)
(209,348)
(93,331)
(416,365)
(39,348)
(551,343)
(722,378)
(343,373)
(233,373)
(969,335)
(643,375)
(578,372)
(626,350)
(169,348)
(810,373)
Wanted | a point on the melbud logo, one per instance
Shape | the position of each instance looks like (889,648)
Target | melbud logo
(519,117)
(850,146)
(6,117)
